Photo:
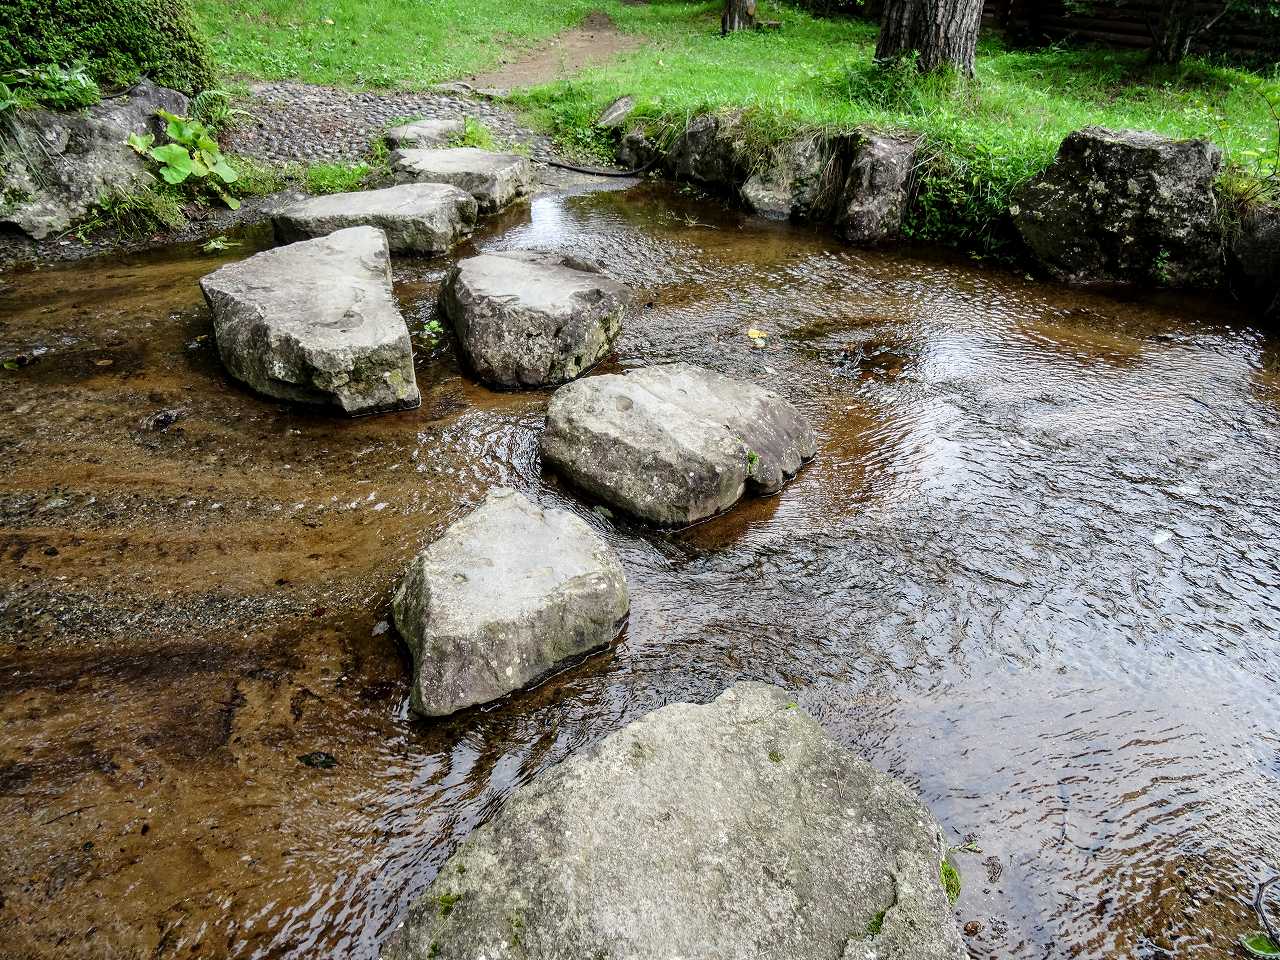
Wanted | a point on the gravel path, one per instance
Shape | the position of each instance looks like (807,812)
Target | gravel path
(297,121)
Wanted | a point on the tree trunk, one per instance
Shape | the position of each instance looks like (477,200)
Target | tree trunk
(1176,28)
(940,32)
(738,15)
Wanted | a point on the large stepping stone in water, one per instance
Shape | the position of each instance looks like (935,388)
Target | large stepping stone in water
(738,829)
(494,179)
(416,217)
(316,322)
(676,443)
(432,132)
(528,319)
(507,593)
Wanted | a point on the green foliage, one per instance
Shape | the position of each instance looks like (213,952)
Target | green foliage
(475,134)
(213,108)
(192,153)
(140,214)
(337,177)
(52,85)
(950,880)
(1259,945)
(116,40)
(256,178)
(876,924)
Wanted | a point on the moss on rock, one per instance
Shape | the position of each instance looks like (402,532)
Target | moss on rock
(118,40)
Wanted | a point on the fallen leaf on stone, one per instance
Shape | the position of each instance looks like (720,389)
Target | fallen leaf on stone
(755,334)
(103,362)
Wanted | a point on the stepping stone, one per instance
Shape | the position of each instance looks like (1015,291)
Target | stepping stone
(527,319)
(674,444)
(432,132)
(731,830)
(416,217)
(507,593)
(494,179)
(316,322)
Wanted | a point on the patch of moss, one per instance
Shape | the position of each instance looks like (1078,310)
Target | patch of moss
(875,924)
(446,902)
(950,880)
(775,756)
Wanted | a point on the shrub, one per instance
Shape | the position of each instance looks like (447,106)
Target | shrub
(117,40)
(52,85)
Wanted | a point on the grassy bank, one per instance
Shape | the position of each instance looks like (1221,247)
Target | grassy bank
(983,136)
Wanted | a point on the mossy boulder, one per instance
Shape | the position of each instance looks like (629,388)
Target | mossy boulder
(118,40)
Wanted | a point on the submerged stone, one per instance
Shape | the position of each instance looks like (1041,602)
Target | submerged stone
(494,179)
(316,322)
(526,319)
(507,593)
(674,444)
(1125,206)
(416,217)
(738,829)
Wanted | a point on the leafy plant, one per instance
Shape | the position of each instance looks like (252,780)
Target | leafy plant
(191,152)
(474,134)
(337,177)
(218,245)
(53,85)
(950,880)
(213,108)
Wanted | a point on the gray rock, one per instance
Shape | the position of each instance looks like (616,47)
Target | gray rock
(794,183)
(432,132)
(507,593)
(710,151)
(418,217)
(528,319)
(875,189)
(636,150)
(615,114)
(731,831)
(676,443)
(1125,206)
(1255,259)
(494,179)
(316,322)
(61,164)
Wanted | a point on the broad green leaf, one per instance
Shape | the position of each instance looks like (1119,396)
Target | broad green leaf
(224,171)
(198,168)
(141,142)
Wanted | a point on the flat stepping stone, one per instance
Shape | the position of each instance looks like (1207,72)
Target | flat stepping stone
(431,132)
(736,829)
(416,217)
(509,592)
(676,443)
(494,179)
(316,322)
(528,319)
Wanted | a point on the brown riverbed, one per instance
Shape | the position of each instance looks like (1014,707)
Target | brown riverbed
(1034,571)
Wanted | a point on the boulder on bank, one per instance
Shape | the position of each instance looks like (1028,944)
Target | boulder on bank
(64,163)
(508,592)
(794,184)
(528,319)
(416,217)
(731,830)
(615,114)
(1255,260)
(316,322)
(876,188)
(494,179)
(674,444)
(710,151)
(1125,206)
(430,132)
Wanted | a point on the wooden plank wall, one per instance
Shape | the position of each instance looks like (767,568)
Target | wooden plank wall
(1117,25)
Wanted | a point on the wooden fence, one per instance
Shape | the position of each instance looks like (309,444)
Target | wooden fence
(1126,25)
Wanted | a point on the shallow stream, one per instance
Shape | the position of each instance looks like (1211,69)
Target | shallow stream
(1034,571)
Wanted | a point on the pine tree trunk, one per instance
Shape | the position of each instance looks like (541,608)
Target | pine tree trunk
(738,15)
(941,32)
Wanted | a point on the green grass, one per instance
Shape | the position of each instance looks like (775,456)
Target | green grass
(382,43)
(337,177)
(980,139)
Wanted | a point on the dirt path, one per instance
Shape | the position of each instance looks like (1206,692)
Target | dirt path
(595,40)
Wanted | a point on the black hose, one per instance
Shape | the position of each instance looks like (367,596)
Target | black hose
(604,173)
